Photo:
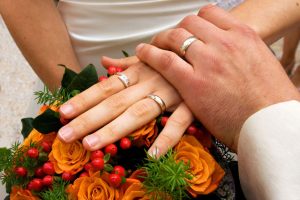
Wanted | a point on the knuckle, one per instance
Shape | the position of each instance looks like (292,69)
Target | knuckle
(187,21)
(141,109)
(167,59)
(80,101)
(176,35)
(116,102)
(228,44)
(166,139)
(181,122)
(106,87)
(246,31)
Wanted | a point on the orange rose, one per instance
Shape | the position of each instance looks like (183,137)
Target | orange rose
(145,135)
(18,193)
(37,137)
(133,189)
(68,157)
(92,188)
(206,172)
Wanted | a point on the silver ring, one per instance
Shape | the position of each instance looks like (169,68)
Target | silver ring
(123,78)
(187,43)
(159,101)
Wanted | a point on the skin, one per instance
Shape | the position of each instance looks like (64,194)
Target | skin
(43,56)
(222,81)
(33,41)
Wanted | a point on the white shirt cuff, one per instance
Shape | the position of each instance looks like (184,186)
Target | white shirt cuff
(269,153)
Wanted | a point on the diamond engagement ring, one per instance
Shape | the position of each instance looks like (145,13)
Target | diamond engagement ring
(159,102)
(123,78)
(186,44)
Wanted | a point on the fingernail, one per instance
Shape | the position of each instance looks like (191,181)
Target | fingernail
(92,140)
(139,47)
(214,4)
(66,109)
(154,153)
(66,133)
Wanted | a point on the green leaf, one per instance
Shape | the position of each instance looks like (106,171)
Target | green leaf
(68,77)
(108,167)
(26,126)
(47,122)
(5,155)
(125,53)
(85,79)
(106,157)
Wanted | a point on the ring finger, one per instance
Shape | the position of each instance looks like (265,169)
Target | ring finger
(133,118)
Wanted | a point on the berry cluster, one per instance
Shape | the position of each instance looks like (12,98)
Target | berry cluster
(41,175)
(111,70)
(103,161)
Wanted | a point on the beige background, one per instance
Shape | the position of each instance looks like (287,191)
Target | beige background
(17,83)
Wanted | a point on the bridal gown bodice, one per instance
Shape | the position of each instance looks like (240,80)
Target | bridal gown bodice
(106,27)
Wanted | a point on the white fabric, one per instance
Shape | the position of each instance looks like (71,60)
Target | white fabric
(269,153)
(105,27)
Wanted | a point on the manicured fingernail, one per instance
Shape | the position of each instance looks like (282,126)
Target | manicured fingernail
(92,140)
(154,153)
(66,109)
(66,133)
(139,47)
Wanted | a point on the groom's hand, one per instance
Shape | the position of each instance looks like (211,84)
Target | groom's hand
(225,76)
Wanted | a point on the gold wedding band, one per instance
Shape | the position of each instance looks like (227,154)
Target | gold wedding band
(186,44)
(123,78)
(159,102)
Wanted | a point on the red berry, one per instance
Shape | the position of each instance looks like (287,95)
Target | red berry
(64,121)
(47,180)
(98,163)
(33,152)
(115,180)
(84,174)
(192,130)
(111,70)
(97,154)
(164,121)
(119,69)
(88,166)
(125,143)
(112,149)
(36,184)
(21,171)
(102,78)
(39,172)
(67,176)
(46,146)
(119,170)
(48,168)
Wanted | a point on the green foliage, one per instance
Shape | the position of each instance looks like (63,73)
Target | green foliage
(71,85)
(26,126)
(85,79)
(47,122)
(166,177)
(125,53)
(58,191)
(57,97)
(9,159)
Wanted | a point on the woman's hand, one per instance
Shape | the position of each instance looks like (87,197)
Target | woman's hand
(227,74)
(108,111)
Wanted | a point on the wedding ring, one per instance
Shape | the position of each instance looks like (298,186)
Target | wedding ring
(186,44)
(159,101)
(123,78)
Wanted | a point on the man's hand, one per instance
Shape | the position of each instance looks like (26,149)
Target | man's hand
(226,76)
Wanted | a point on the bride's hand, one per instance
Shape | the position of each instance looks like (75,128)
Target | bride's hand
(108,111)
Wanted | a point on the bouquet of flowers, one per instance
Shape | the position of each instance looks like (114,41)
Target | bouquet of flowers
(43,167)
